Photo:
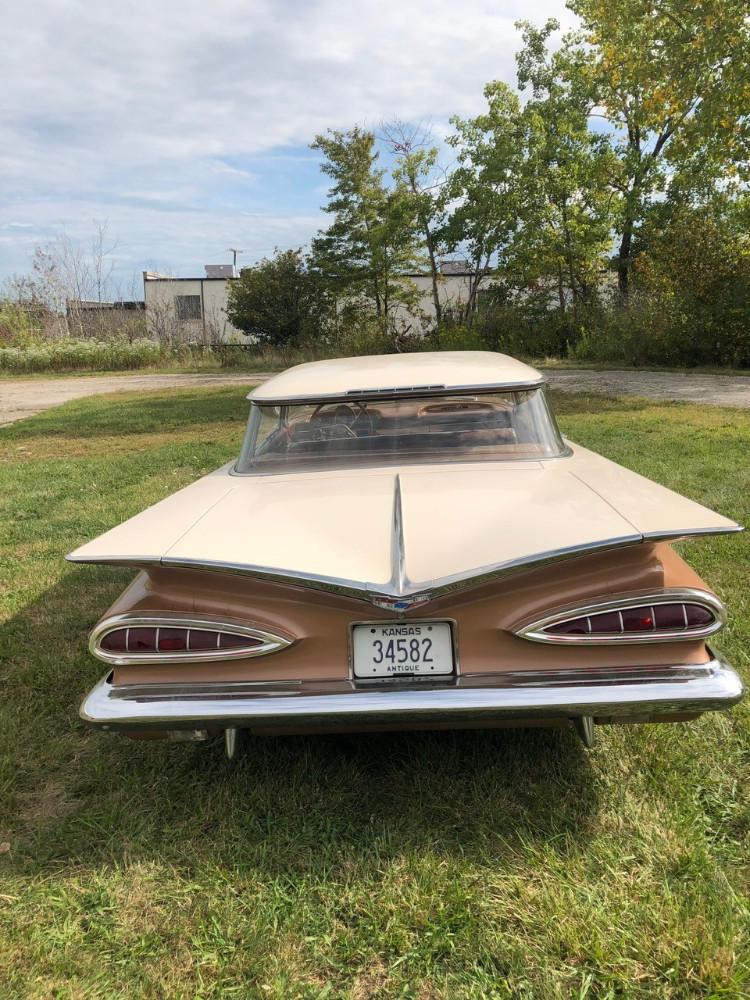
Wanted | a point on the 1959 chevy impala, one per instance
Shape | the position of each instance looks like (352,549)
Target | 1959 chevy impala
(407,542)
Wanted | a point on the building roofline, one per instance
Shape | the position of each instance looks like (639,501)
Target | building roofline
(163,277)
(406,274)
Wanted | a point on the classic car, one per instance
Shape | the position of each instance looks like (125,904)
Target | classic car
(407,541)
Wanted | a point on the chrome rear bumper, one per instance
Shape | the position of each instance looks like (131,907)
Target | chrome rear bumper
(603,694)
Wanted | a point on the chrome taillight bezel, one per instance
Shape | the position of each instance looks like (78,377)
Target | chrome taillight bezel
(535,630)
(265,642)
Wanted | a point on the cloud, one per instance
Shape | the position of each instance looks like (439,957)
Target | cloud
(186,124)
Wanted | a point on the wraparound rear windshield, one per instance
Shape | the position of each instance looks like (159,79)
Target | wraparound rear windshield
(484,427)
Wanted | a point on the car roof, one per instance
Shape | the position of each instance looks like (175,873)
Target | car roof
(423,373)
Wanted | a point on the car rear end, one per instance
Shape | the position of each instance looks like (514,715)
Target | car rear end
(192,653)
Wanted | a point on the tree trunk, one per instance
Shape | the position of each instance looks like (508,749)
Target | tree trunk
(623,261)
(434,274)
(376,296)
(474,281)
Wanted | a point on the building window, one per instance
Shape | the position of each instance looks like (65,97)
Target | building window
(187,306)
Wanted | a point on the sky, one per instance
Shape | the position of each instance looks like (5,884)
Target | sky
(186,125)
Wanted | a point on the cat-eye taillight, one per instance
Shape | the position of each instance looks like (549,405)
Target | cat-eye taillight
(653,617)
(132,638)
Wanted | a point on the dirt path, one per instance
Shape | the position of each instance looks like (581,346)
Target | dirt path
(21,398)
(715,390)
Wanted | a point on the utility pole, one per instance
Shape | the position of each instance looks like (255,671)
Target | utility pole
(234,253)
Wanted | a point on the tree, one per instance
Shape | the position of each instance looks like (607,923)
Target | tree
(484,186)
(373,239)
(564,204)
(672,80)
(64,274)
(693,268)
(417,169)
(278,301)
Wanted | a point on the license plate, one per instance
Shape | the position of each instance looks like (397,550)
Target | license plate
(401,649)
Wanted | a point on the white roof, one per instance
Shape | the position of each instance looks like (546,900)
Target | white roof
(425,371)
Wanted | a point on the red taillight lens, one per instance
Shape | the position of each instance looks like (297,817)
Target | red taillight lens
(141,640)
(640,621)
(167,639)
(698,616)
(669,616)
(115,641)
(607,622)
(574,626)
(637,620)
(173,640)
(229,640)
(203,639)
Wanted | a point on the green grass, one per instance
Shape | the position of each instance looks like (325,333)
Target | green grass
(443,865)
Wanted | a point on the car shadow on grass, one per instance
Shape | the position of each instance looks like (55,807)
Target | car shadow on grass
(83,798)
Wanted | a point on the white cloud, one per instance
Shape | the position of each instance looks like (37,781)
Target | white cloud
(168,118)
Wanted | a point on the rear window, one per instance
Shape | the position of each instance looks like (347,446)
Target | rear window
(482,427)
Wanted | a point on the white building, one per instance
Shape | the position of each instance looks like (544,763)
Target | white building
(454,286)
(193,310)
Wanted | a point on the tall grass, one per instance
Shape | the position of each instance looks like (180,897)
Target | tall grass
(81,355)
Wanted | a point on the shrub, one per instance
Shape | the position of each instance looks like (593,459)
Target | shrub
(690,303)
(278,301)
(16,326)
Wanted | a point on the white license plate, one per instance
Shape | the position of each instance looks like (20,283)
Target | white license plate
(398,649)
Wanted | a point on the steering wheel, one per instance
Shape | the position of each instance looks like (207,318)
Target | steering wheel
(337,428)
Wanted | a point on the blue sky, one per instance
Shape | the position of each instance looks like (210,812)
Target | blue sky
(186,125)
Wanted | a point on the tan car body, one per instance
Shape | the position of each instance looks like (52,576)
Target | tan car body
(488,546)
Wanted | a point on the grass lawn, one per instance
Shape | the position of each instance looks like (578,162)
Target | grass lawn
(444,865)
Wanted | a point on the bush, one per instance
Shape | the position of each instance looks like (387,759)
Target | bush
(16,327)
(278,301)
(519,329)
(690,303)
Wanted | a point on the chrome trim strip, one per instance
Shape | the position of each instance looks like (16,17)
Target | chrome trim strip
(399,582)
(663,536)
(270,642)
(393,392)
(601,693)
(414,593)
(534,630)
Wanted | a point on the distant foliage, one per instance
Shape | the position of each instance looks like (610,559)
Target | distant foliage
(17,327)
(279,301)
(598,209)
(81,355)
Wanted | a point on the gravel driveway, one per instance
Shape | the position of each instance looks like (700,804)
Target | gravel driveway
(716,390)
(23,397)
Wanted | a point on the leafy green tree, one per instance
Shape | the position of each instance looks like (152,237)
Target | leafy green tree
(416,169)
(484,186)
(373,239)
(563,199)
(672,80)
(278,301)
(693,268)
